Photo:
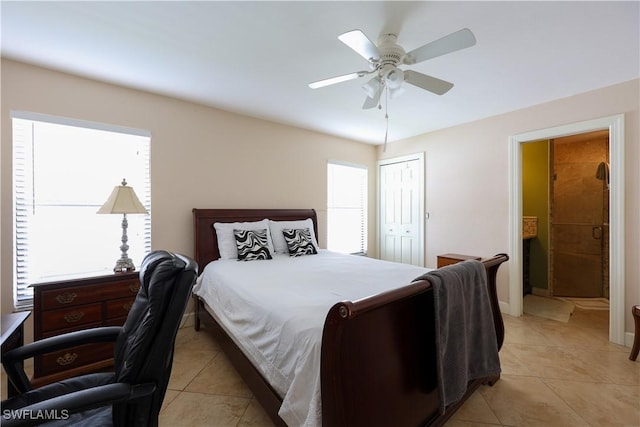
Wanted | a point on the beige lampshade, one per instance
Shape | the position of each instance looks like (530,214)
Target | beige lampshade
(123,200)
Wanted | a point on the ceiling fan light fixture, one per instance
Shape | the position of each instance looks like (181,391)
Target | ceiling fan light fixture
(395,92)
(394,78)
(371,87)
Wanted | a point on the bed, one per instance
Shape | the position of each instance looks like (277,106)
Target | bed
(371,368)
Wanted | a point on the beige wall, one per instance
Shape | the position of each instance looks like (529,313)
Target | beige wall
(200,157)
(467,178)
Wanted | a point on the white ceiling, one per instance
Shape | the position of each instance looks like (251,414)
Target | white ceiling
(256,58)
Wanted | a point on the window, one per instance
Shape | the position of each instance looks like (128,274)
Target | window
(347,208)
(63,171)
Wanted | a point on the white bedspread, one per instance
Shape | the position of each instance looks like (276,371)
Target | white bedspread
(275,309)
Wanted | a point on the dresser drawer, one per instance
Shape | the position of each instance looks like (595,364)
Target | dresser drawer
(55,332)
(74,357)
(74,304)
(72,317)
(121,289)
(119,308)
(70,297)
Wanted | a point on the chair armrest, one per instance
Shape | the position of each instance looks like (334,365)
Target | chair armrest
(12,360)
(61,407)
(58,342)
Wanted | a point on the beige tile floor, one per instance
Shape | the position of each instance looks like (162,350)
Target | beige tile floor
(553,374)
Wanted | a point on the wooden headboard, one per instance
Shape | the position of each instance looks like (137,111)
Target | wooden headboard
(206,241)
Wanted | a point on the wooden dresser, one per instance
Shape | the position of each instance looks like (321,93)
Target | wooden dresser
(448,259)
(75,304)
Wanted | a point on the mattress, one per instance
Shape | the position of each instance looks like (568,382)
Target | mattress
(275,311)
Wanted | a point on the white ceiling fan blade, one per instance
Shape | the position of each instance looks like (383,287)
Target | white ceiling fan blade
(372,102)
(337,79)
(357,41)
(455,41)
(437,86)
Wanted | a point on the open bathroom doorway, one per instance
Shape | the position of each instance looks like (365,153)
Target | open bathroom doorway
(615,125)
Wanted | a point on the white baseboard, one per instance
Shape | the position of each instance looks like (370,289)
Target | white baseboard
(628,339)
(504,307)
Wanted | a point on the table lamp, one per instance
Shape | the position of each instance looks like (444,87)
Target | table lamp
(123,200)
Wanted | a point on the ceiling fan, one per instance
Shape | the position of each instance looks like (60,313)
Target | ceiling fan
(385,58)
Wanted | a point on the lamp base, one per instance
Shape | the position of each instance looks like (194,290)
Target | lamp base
(124,265)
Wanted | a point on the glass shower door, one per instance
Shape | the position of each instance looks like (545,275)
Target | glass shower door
(578,225)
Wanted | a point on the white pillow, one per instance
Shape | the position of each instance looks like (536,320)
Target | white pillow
(279,243)
(227,240)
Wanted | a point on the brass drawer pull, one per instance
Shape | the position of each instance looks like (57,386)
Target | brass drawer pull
(127,306)
(67,359)
(134,287)
(66,298)
(74,316)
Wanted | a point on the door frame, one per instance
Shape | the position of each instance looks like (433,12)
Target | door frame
(615,124)
(421,208)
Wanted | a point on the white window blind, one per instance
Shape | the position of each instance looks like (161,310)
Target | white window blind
(63,171)
(347,208)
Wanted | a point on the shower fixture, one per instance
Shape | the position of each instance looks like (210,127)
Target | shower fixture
(603,172)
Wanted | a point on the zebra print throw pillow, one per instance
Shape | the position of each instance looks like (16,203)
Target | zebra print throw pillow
(299,241)
(252,244)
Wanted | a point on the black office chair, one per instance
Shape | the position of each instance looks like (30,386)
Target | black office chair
(143,356)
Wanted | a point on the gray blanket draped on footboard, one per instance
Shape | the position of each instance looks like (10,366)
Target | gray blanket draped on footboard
(466,342)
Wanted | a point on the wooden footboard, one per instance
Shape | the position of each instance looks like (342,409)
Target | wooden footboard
(378,363)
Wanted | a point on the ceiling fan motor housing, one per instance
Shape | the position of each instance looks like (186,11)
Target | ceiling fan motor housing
(391,55)
(390,52)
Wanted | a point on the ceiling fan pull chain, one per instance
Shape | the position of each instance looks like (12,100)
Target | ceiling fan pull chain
(386,132)
(386,119)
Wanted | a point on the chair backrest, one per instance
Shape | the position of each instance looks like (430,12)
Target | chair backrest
(144,349)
